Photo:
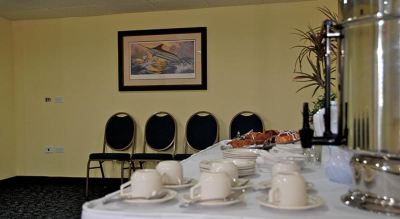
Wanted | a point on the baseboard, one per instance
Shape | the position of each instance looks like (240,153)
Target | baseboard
(55,180)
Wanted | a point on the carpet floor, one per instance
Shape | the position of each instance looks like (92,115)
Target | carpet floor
(44,198)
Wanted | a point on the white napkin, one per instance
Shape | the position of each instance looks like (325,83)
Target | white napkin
(288,148)
(268,159)
(298,146)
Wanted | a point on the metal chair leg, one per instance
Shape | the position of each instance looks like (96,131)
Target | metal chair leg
(122,171)
(129,169)
(101,168)
(87,179)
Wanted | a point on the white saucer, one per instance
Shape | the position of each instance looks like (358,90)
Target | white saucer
(244,164)
(242,173)
(245,167)
(313,201)
(186,198)
(241,164)
(267,185)
(241,181)
(187,182)
(170,195)
(241,153)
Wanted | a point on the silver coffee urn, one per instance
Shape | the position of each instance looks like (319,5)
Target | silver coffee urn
(369,101)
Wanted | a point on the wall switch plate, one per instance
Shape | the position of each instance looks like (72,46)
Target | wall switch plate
(58,149)
(48,149)
(58,99)
(53,149)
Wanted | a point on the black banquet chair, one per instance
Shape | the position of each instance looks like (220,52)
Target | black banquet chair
(201,132)
(119,138)
(159,138)
(244,122)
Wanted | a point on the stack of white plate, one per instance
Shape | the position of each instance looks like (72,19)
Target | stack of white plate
(292,148)
(245,167)
(241,153)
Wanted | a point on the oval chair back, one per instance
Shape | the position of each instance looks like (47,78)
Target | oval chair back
(160,132)
(119,132)
(245,121)
(201,131)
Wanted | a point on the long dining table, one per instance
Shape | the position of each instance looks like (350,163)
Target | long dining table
(249,208)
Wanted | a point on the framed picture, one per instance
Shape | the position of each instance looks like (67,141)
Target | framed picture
(164,59)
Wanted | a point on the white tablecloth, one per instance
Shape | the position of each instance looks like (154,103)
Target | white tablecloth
(249,209)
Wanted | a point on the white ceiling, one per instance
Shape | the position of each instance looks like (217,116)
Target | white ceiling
(39,9)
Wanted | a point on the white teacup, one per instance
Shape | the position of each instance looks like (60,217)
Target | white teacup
(226,166)
(288,190)
(285,166)
(171,172)
(212,186)
(144,183)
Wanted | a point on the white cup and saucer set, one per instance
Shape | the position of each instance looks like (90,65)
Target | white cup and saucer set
(282,166)
(288,190)
(219,185)
(230,167)
(145,187)
(213,189)
(172,175)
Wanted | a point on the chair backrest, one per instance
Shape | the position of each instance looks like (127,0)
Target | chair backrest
(201,130)
(245,121)
(119,132)
(160,132)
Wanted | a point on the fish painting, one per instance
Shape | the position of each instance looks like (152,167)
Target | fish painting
(163,58)
(164,54)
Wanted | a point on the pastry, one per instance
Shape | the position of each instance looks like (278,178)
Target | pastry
(270,134)
(256,137)
(286,137)
(239,143)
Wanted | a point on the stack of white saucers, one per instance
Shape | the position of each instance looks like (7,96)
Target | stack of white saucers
(291,148)
(268,158)
(245,167)
(241,153)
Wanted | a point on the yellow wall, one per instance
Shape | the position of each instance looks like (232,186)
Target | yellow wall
(7,116)
(250,63)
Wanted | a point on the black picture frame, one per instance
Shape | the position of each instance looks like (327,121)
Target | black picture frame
(162,59)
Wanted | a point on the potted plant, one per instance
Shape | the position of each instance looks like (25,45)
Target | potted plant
(312,52)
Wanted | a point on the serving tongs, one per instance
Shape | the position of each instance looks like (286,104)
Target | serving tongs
(238,136)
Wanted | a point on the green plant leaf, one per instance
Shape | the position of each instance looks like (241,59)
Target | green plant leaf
(329,14)
(315,91)
(312,52)
(308,85)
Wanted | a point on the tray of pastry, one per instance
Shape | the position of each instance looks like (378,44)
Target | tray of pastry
(256,140)
(261,140)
